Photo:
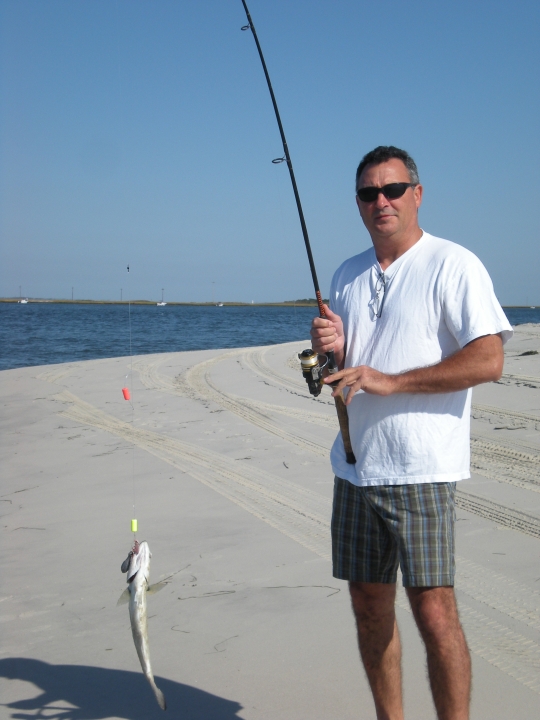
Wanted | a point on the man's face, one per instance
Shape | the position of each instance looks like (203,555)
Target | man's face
(389,219)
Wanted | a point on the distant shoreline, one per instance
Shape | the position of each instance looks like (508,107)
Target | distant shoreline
(291,303)
(287,303)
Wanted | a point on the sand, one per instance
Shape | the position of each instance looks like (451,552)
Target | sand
(226,459)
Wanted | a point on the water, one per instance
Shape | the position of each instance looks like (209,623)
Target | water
(46,333)
(520,316)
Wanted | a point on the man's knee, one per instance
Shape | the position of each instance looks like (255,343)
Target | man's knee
(435,611)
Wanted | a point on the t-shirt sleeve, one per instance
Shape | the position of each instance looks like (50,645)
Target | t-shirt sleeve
(470,306)
(332,297)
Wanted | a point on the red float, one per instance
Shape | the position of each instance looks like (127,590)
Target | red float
(125,392)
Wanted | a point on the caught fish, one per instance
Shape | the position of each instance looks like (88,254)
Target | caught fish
(137,566)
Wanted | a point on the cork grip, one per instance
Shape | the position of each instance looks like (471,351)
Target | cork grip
(343,418)
(320,304)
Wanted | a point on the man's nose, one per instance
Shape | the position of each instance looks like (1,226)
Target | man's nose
(381,201)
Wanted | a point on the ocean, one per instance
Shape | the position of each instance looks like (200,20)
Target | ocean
(47,333)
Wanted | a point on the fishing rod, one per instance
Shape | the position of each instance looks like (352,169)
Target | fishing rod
(313,365)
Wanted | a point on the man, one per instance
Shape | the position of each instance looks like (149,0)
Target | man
(414,324)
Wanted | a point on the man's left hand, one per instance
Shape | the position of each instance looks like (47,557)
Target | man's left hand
(362,378)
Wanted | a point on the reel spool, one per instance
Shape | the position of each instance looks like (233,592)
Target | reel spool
(312,370)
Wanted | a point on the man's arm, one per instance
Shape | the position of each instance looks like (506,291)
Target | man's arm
(478,362)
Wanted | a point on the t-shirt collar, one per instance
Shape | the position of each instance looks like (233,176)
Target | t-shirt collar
(394,267)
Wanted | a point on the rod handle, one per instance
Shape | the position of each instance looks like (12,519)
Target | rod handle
(320,303)
(343,415)
(343,418)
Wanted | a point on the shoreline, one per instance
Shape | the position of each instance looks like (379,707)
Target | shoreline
(286,303)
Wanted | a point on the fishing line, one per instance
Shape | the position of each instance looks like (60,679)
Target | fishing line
(127,392)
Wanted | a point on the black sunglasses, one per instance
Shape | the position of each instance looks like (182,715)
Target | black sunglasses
(390,192)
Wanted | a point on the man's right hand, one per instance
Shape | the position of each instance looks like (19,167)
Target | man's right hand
(327,334)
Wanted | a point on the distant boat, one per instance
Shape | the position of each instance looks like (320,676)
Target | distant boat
(219,304)
(161,304)
(23,302)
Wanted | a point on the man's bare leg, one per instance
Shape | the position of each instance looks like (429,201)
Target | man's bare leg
(380,648)
(449,662)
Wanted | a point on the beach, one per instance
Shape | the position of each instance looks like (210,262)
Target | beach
(223,458)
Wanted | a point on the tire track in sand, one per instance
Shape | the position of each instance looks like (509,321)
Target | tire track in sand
(513,417)
(509,651)
(489,459)
(527,380)
(58,372)
(498,462)
(279,503)
(196,383)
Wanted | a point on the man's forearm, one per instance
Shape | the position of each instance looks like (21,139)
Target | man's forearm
(478,362)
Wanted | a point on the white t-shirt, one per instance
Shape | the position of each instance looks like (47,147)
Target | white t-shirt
(438,298)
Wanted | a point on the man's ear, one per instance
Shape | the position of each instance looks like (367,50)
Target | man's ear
(418,194)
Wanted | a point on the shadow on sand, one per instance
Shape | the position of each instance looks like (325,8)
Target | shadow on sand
(98,693)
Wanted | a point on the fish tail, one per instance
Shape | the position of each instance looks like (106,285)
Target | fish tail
(157,692)
(160,697)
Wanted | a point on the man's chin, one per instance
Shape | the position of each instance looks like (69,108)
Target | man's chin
(385,226)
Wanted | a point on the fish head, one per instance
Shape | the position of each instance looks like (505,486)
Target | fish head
(137,564)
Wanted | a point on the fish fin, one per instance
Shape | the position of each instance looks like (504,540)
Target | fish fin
(153,589)
(125,565)
(124,598)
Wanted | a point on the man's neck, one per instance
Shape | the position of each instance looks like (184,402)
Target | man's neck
(389,249)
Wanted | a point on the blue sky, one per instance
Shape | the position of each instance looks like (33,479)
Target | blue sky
(142,132)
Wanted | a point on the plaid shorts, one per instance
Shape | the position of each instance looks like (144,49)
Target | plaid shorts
(378,527)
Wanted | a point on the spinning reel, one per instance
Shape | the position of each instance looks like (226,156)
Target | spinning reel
(313,366)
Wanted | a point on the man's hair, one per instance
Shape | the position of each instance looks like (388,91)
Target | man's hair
(384,153)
